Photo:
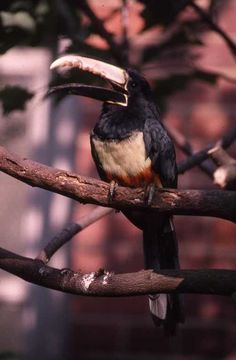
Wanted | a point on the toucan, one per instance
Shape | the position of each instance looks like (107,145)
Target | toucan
(131,147)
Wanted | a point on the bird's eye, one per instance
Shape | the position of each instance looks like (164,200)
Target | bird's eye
(133,84)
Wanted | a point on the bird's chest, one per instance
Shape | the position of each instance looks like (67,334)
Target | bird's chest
(125,160)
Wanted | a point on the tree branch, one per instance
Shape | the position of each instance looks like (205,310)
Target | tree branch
(225,174)
(87,190)
(202,155)
(186,147)
(103,283)
(220,156)
(71,230)
(216,28)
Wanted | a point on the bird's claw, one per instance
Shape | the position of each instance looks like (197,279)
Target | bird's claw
(112,190)
(149,194)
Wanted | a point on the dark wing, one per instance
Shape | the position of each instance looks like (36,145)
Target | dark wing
(160,148)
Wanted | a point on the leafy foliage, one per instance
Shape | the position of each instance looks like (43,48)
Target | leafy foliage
(43,22)
(161,12)
(15,29)
(8,355)
(182,37)
(14,98)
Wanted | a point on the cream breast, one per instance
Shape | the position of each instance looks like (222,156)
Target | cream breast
(123,158)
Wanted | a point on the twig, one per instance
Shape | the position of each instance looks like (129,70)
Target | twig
(87,190)
(202,155)
(184,145)
(207,19)
(71,230)
(106,284)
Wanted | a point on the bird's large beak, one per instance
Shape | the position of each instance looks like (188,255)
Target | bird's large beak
(116,76)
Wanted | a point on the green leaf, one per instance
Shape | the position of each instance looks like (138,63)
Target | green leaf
(14,98)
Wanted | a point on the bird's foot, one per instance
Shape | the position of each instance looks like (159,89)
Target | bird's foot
(112,190)
(149,193)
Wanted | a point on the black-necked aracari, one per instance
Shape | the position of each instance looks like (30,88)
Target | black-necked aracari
(131,147)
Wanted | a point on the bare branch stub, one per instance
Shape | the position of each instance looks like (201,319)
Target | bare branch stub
(184,145)
(225,174)
(203,154)
(220,156)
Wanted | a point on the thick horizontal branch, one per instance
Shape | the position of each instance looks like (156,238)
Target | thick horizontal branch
(214,203)
(103,283)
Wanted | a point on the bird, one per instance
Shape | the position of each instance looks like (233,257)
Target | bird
(131,147)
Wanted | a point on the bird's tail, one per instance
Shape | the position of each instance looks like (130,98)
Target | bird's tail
(161,252)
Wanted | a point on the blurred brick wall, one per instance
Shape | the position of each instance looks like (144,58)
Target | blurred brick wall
(122,328)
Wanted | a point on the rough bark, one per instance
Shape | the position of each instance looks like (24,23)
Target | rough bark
(103,283)
(213,203)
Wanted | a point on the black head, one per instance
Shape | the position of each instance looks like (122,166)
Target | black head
(137,85)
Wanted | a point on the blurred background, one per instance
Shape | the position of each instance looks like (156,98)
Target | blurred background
(186,50)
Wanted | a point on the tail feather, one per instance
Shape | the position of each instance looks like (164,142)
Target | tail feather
(161,252)
(158,305)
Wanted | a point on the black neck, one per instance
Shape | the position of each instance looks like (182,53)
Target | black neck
(118,122)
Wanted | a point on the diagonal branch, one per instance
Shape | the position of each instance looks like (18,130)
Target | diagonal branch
(225,174)
(87,190)
(103,283)
(202,155)
(71,230)
(207,19)
(183,144)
